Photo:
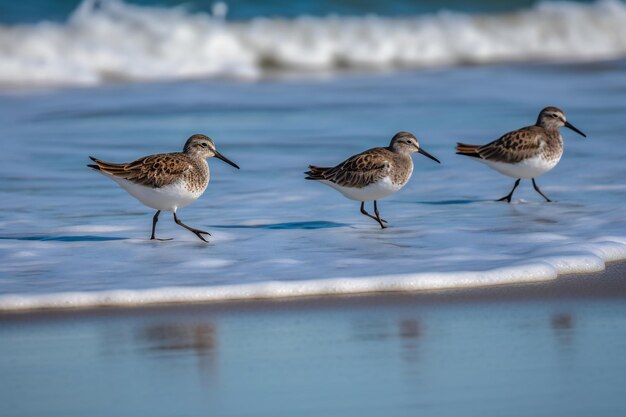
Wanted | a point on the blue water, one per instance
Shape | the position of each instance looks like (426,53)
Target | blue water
(282,93)
(65,228)
(58,10)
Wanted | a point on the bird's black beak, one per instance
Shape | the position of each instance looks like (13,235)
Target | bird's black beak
(426,154)
(571,126)
(223,158)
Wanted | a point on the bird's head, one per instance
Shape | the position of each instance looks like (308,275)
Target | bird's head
(406,143)
(553,118)
(202,146)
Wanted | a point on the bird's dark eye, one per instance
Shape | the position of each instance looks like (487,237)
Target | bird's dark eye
(204,145)
(554,115)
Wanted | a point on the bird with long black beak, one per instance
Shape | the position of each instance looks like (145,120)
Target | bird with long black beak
(373,174)
(526,153)
(167,181)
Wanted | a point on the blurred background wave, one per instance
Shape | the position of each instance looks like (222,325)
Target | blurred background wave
(98,41)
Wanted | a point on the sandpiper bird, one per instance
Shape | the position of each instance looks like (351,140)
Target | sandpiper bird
(167,181)
(373,174)
(527,152)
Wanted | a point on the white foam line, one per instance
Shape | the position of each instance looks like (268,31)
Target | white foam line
(589,258)
(284,289)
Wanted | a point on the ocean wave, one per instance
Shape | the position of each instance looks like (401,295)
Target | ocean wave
(585,258)
(111,40)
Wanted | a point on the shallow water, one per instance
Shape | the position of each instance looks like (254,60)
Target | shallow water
(64,228)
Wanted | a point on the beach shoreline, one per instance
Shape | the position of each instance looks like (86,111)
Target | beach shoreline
(609,284)
(556,343)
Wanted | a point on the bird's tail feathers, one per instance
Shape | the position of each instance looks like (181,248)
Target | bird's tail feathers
(316,173)
(467,150)
(106,167)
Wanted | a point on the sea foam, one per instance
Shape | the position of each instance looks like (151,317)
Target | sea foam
(591,258)
(112,40)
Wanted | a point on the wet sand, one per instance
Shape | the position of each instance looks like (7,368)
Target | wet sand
(555,348)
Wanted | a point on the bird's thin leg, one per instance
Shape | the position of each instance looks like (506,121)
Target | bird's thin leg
(369,215)
(365,212)
(510,195)
(539,191)
(197,232)
(380,221)
(155,219)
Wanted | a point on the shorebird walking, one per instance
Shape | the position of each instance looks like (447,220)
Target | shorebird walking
(527,152)
(373,174)
(167,181)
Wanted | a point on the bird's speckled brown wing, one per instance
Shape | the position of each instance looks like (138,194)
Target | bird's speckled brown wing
(357,171)
(154,171)
(515,146)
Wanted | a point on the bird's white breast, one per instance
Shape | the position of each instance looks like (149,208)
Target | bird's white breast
(528,168)
(168,198)
(374,191)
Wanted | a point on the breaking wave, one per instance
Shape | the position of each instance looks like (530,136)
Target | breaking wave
(104,41)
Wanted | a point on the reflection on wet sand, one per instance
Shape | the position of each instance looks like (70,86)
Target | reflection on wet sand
(563,326)
(410,328)
(198,338)
(562,321)
(407,330)
(410,331)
